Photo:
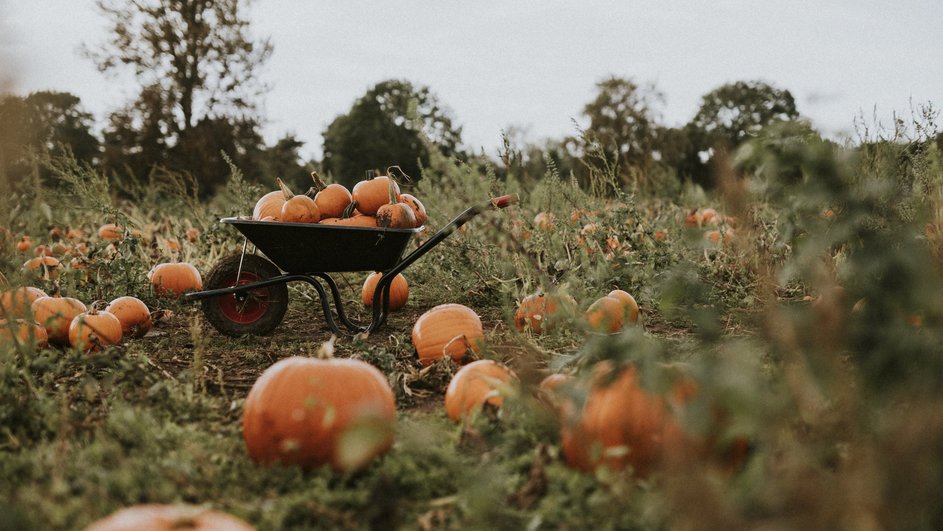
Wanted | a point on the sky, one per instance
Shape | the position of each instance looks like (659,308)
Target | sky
(530,64)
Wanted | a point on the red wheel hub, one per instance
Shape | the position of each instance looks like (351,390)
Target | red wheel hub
(248,306)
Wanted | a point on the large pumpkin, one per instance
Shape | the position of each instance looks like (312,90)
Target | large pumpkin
(447,329)
(474,385)
(399,290)
(269,205)
(606,315)
(311,412)
(154,517)
(620,424)
(24,332)
(17,302)
(373,193)
(175,278)
(94,330)
(629,306)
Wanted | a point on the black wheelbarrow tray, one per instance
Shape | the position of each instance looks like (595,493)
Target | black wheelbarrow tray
(248,294)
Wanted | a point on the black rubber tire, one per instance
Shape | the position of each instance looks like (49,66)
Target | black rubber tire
(262,322)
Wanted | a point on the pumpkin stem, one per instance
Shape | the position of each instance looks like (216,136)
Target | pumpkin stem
(392,190)
(285,190)
(349,211)
(326,350)
(56,289)
(462,338)
(318,183)
(97,306)
(402,174)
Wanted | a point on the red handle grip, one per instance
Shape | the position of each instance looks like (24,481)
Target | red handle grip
(504,201)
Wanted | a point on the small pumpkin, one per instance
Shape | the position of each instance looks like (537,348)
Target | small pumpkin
(173,279)
(620,424)
(395,214)
(16,303)
(370,194)
(399,290)
(56,313)
(47,267)
(606,315)
(332,199)
(544,221)
(447,330)
(24,244)
(297,208)
(538,311)
(269,205)
(550,389)
(23,332)
(629,306)
(311,412)
(94,330)
(474,385)
(192,234)
(133,314)
(155,517)
(419,210)
(110,232)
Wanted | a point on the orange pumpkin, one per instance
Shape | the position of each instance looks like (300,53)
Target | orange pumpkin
(629,306)
(544,221)
(154,517)
(56,313)
(371,194)
(399,290)
(193,234)
(537,312)
(24,244)
(474,385)
(175,278)
(620,425)
(549,389)
(17,302)
(395,214)
(606,315)
(110,232)
(268,205)
(311,412)
(133,314)
(23,332)
(447,329)
(297,208)
(46,266)
(94,330)
(419,210)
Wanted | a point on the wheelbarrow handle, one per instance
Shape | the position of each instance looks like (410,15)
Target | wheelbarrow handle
(504,201)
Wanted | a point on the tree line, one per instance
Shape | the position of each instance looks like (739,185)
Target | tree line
(196,66)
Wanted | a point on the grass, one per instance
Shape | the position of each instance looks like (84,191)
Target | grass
(839,399)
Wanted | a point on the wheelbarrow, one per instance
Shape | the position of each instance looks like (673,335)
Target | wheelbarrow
(247,294)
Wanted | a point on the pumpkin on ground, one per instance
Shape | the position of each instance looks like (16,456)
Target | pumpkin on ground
(474,385)
(17,302)
(447,329)
(155,517)
(537,312)
(175,278)
(47,267)
(399,290)
(550,391)
(23,332)
(629,305)
(56,313)
(311,412)
(620,424)
(133,314)
(94,330)
(606,315)
(544,221)
(110,232)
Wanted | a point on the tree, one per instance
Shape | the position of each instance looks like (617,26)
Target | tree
(394,123)
(623,119)
(196,64)
(43,123)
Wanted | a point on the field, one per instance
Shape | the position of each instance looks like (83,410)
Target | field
(810,328)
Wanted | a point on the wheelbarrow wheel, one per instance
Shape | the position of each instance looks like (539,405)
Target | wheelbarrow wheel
(254,312)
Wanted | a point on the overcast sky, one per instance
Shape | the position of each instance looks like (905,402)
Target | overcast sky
(532,64)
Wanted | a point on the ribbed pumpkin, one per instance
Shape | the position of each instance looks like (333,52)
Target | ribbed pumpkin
(311,412)
(447,329)
(268,205)
(154,517)
(606,315)
(297,208)
(537,312)
(418,208)
(173,279)
(56,313)
(16,303)
(473,386)
(46,267)
(332,199)
(629,306)
(133,314)
(621,424)
(371,194)
(399,290)
(25,332)
(94,330)
(395,214)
